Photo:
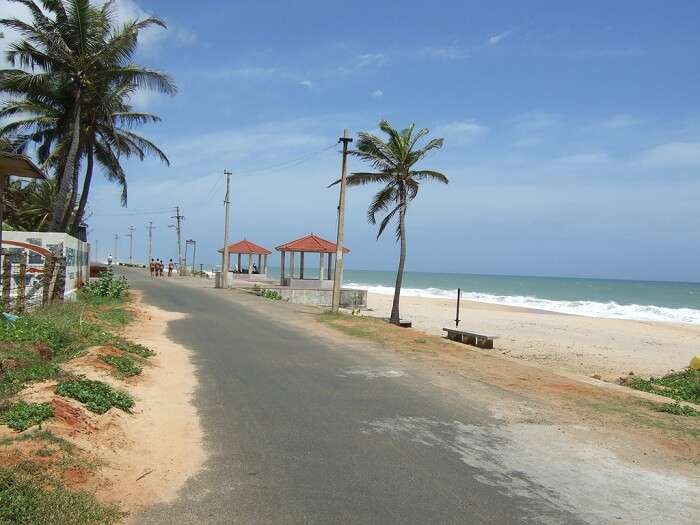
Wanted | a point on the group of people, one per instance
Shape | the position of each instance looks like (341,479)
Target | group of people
(157,266)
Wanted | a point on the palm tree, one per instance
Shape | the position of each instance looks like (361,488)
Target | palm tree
(393,161)
(79,57)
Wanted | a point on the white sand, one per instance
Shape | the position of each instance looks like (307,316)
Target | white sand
(609,347)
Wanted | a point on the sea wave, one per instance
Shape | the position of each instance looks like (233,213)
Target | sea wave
(609,310)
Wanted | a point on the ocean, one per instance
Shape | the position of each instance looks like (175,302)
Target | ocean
(672,302)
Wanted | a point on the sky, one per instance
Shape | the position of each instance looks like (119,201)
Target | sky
(572,131)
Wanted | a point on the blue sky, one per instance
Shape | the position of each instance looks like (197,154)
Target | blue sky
(572,130)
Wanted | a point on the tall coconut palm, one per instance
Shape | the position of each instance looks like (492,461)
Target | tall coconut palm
(394,162)
(73,48)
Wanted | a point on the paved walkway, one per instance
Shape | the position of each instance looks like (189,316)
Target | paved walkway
(299,432)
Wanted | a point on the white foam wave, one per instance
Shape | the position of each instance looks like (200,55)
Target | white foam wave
(609,310)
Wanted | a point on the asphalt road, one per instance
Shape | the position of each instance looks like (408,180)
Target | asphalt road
(294,438)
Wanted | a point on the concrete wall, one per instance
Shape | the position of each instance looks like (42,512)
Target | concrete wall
(348,298)
(309,284)
(76,252)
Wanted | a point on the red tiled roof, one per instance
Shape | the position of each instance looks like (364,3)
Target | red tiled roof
(310,243)
(247,247)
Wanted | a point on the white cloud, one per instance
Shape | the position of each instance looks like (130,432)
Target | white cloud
(306,83)
(534,121)
(446,52)
(584,158)
(364,61)
(497,39)
(672,154)
(377,93)
(466,128)
(620,121)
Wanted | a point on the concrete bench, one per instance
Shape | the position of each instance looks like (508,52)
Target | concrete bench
(470,338)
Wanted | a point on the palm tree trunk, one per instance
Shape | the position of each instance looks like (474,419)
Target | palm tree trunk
(70,207)
(59,205)
(86,190)
(395,317)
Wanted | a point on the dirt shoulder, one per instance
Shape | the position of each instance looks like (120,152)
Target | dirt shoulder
(125,460)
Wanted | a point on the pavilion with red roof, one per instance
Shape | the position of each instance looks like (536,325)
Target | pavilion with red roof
(253,272)
(321,278)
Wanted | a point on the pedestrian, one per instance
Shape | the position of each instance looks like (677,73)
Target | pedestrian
(152,267)
(171,265)
(160,267)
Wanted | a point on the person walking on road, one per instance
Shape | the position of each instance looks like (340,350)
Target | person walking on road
(152,267)
(171,265)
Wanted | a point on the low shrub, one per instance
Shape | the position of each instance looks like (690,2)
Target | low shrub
(97,396)
(681,386)
(108,286)
(124,364)
(267,293)
(678,409)
(133,348)
(24,415)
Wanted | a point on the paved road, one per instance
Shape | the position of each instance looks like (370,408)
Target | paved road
(293,439)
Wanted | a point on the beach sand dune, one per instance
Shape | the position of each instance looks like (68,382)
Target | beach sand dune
(588,345)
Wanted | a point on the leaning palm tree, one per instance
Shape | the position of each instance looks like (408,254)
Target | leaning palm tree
(74,48)
(393,161)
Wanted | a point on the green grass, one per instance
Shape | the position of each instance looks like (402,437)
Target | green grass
(24,502)
(678,410)
(124,364)
(116,316)
(97,396)
(132,348)
(683,386)
(23,415)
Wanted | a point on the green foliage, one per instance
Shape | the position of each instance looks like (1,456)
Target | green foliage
(97,396)
(678,409)
(124,364)
(24,502)
(24,415)
(683,386)
(133,348)
(107,285)
(116,316)
(267,293)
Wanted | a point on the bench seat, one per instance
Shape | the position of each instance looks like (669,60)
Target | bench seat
(470,338)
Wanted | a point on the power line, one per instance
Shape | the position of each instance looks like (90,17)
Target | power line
(289,163)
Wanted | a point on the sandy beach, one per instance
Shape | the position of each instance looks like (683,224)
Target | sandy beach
(586,345)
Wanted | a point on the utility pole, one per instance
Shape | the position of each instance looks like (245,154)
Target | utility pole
(178,218)
(194,251)
(150,228)
(338,275)
(116,248)
(224,255)
(130,235)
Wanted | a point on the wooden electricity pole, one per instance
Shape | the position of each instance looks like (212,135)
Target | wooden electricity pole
(116,248)
(224,252)
(338,275)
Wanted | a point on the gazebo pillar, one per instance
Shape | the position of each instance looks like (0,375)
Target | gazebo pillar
(320,267)
(238,267)
(265,264)
(282,258)
(259,263)
(291,265)
(301,265)
(330,266)
(250,263)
